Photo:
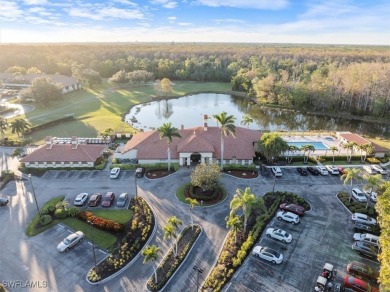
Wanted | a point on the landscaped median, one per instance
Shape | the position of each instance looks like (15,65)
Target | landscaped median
(236,248)
(170,263)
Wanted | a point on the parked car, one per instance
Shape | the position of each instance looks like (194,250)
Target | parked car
(358,195)
(80,199)
(313,170)
(360,227)
(70,241)
(368,238)
(276,170)
(369,169)
(333,169)
(122,200)
(362,271)
(379,169)
(358,285)
(279,234)
(3,201)
(372,196)
(363,218)
(365,249)
(115,172)
(268,254)
(293,208)
(139,172)
(341,170)
(94,200)
(108,199)
(302,171)
(322,170)
(288,217)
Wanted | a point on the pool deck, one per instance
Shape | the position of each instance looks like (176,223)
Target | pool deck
(319,138)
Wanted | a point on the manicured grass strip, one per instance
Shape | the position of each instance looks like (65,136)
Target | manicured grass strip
(170,263)
(99,237)
(120,216)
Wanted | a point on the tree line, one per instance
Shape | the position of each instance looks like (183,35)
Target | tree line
(322,78)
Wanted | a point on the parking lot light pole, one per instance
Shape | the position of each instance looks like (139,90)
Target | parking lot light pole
(93,246)
(135,182)
(198,270)
(33,192)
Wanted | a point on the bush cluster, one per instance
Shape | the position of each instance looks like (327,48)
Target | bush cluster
(356,207)
(45,220)
(215,196)
(103,224)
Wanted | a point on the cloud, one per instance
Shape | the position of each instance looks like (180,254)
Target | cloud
(166,3)
(106,13)
(229,20)
(9,11)
(184,23)
(255,4)
(172,18)
(35,2)
(126,2)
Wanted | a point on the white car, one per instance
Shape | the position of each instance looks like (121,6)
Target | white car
(379,169)
(358,195)
(367,237)
(372,196)
(279,234)
(277,171)
(288,217)
(333,169)
(268,254)
(115,172)
(70,241)
(322,170)
(369,169)
(363,218)
(80,199)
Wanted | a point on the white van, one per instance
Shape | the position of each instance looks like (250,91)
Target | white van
(277,171)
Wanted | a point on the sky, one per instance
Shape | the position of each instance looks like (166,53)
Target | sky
(251,21)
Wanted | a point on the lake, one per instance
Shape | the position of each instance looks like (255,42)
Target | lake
(188,111)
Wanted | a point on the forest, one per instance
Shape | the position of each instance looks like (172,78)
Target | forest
(317,78)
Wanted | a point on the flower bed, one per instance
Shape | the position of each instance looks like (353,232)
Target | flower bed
(233,254)
(169,264)
(208,197)
(101,223)
(140,230)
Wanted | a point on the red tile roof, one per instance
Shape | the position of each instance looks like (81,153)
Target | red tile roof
(150,146)
(354,138)
(65,153)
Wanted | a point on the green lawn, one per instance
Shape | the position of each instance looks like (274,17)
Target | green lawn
(103,107)
(120,216)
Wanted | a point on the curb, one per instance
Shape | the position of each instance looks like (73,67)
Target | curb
(178,268)
(199,207)
(132,261)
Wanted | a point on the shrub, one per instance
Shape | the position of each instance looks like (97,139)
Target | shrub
(45,220)
(72,212)
(61,213)
(352,209)
(51,208)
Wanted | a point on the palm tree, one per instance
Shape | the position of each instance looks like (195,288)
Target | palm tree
(175,222)
(234,223)
(349,147)
(167,131)
(227,128)
(20,126)
(170,231)
(271,145)
(151,253)
(351,174)
(243,200)
(3,127)
(307,148)
(246,120)
(292,149)
(193,203)
(333,149)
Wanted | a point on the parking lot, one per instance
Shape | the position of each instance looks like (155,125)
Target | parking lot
(324,235)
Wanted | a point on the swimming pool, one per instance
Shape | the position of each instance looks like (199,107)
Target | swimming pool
(316,145)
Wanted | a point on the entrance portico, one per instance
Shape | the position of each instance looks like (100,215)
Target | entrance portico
(186,159)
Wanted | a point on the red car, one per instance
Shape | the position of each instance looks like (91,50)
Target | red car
(341,170)
(108,199)
(362,271)
(94,200)
(293,208)
(358,285)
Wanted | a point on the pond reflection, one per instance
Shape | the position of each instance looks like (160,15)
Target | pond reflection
(188,111)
